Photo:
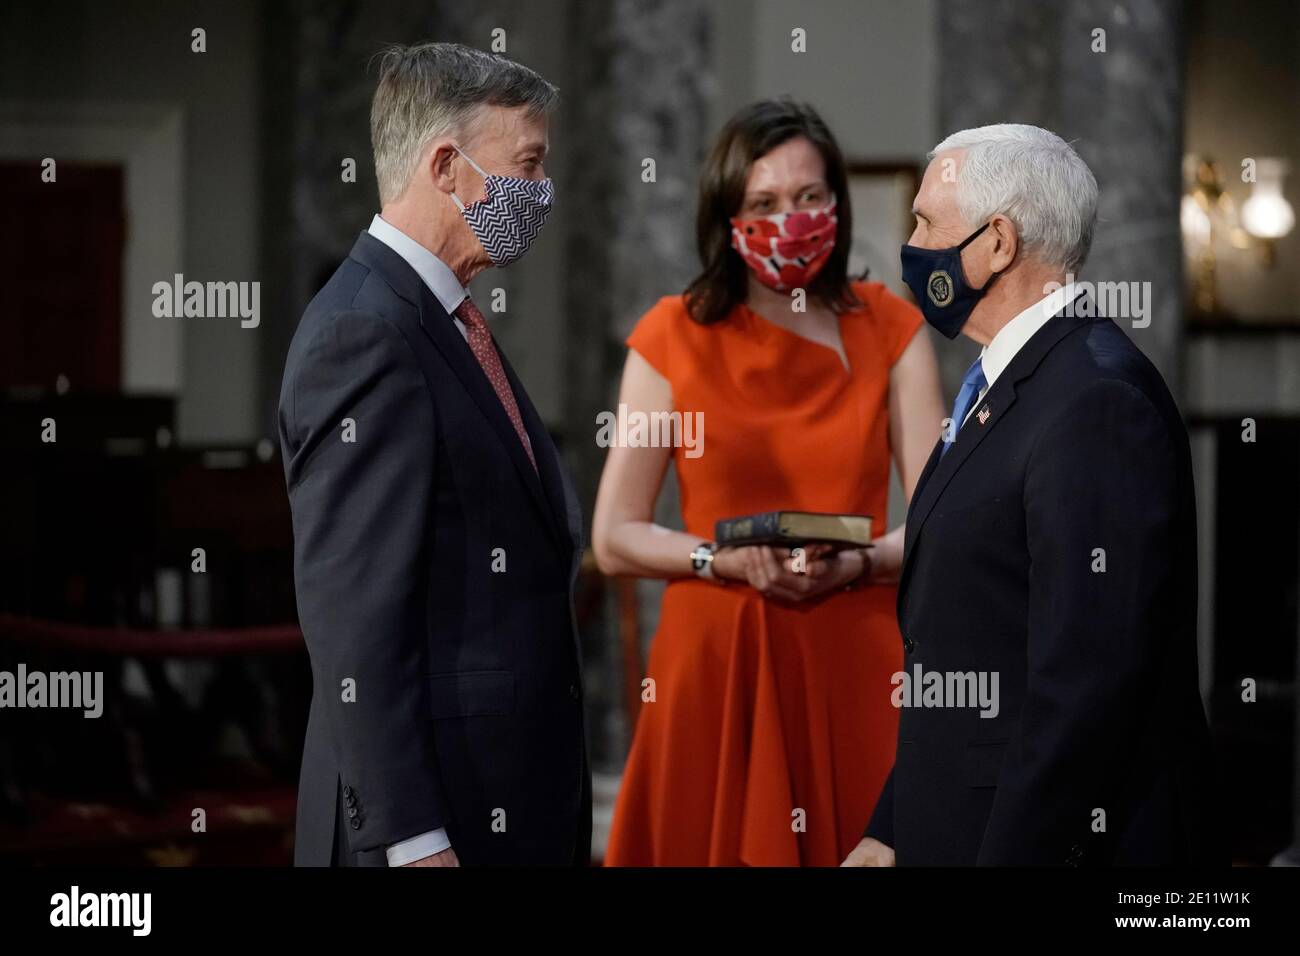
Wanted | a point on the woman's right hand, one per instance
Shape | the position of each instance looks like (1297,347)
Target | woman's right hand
(768,570)
(732,564)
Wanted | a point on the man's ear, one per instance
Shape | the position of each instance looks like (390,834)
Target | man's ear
(440,165)
(1007,244)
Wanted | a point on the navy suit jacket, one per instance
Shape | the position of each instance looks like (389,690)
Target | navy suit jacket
(434,571)
(1099,752)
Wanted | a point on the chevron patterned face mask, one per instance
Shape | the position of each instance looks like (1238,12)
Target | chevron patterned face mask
(509,216)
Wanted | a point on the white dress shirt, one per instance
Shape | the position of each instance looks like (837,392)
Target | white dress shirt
(1011,338)
(437,275)
(442,282)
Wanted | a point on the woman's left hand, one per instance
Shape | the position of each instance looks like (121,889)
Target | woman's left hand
(829,571)
(803,574)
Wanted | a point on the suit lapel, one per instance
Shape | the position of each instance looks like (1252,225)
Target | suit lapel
(548,457)
(985,416)
(441,329)
(931,463)
(438,325)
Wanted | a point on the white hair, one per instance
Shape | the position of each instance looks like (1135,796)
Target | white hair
(435,89)
(1035,179)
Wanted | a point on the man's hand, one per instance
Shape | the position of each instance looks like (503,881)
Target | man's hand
(445,858)
(870,852)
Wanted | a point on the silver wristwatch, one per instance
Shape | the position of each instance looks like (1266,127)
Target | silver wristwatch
(702,560)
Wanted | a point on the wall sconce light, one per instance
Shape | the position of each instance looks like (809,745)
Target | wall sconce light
(1266,214)
(1211,222)
(1206,216)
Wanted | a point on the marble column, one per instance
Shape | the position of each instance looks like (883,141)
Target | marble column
(1026,61)
(641,84)
(642,78)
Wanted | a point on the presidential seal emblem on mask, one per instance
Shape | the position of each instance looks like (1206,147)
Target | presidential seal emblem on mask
(939,288)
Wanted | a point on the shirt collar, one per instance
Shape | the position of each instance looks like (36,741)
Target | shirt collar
(1011,338)
(437,275)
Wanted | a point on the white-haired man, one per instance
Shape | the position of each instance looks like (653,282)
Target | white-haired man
(436,536)
(1047,603)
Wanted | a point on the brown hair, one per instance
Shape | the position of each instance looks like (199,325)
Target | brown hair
(750,134)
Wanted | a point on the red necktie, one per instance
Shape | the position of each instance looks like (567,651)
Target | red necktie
(480,343)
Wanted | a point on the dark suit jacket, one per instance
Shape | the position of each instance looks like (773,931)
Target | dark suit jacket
(1100,721)
(434,574)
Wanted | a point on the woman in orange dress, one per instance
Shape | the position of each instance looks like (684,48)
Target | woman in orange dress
(766,731)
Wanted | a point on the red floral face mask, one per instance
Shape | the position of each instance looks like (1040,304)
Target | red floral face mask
(786,250)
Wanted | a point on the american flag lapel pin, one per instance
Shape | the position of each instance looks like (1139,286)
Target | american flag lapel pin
(983,415)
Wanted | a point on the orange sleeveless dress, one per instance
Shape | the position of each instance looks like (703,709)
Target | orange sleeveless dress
(771,732)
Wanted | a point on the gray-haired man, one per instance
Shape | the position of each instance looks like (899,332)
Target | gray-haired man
(437,537)
(1050,553)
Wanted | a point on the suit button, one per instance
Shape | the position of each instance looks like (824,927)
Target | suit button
(909,645)
(351,800)
(356,823)
(352,812)
(574,692)
(347,791)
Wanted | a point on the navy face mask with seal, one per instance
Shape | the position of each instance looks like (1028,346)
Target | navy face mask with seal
(936,278)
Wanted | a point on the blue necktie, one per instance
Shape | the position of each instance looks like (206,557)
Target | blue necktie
(971,386)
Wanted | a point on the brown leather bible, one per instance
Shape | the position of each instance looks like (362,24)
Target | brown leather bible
(794,528)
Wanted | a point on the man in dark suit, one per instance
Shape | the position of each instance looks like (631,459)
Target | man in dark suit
(436,535)
(1050,704)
